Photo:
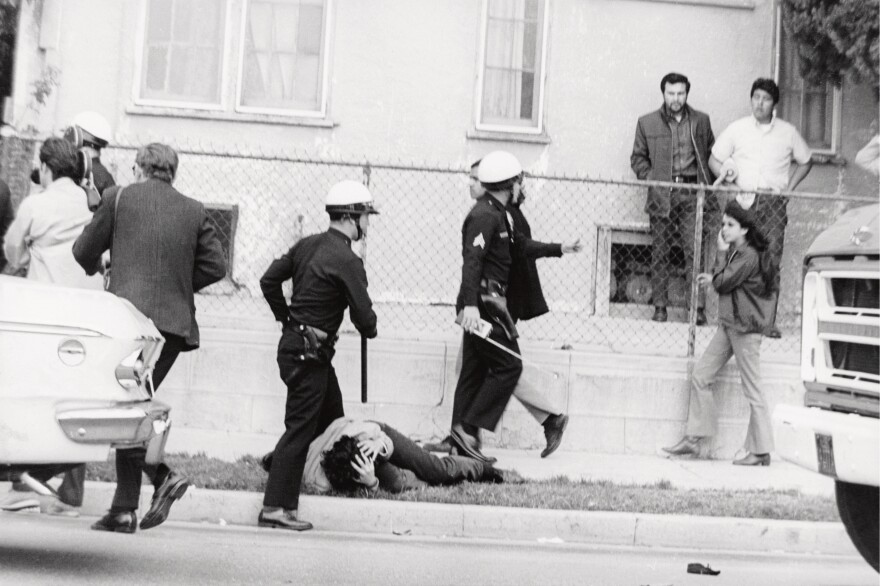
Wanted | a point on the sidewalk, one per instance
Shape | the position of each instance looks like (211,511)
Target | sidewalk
(549,526)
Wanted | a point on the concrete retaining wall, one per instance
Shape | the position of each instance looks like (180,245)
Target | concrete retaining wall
(228,400)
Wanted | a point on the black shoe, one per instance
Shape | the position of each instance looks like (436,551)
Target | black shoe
(659,314)
(172,489)
(701,317)
(266,461)
(688,446)
(554,427)
(773,332)
(467,445)
(282,519)
(444,446)
(125,522)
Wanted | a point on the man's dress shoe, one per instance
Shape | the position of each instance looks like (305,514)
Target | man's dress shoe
(554,427)
(171,489)
(687,446)
(125,522)
(282,520)
(467,445)
(659,314)
(753,460)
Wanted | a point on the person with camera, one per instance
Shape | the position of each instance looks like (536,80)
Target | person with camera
(89,133)
(327,277)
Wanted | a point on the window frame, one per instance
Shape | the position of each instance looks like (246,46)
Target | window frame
(141,39)
(232,55)
(836,100)
(325,58)
(541,85)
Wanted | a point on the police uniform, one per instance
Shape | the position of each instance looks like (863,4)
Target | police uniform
(103,178)
(327,277)
(488,374)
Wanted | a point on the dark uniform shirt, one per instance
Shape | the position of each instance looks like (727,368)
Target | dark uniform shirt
(103,178)
(485,249)
(327,277)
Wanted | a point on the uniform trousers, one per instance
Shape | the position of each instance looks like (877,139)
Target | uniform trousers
(130,462)
(314,400)
(703,410)
(410,466)
(487,380)
(537,401)
(677,228)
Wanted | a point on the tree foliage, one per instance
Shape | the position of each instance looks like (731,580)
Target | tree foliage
(835,38)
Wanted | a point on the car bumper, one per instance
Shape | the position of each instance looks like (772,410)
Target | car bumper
(843,446)
(122,425)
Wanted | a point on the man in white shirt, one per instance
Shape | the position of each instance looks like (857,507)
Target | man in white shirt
(757,152)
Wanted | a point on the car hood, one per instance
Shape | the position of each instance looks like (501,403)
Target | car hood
(26,303)
(855,232)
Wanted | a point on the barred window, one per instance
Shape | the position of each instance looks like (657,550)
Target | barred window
(183,51)
(283,57)
(813,109)
(512,66)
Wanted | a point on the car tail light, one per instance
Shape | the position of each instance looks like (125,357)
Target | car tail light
(132,371)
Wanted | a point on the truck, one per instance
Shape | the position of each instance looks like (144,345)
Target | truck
(837,430)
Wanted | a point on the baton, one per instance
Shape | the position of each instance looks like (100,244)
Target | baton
(363,369)
(486,329)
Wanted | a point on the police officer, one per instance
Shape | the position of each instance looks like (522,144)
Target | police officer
(488,373)
(91,132)
(327,277)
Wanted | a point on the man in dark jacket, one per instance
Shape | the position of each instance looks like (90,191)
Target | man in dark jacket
(673,145)
(6,217)
(163,249)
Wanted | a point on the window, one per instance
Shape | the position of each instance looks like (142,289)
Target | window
(511,77)
(278,69)
(814,110)
(183,51)
(282,62)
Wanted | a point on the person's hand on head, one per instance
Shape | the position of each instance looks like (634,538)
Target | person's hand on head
(371,447)
(366,471)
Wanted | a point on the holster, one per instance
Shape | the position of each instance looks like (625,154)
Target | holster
(494,305)
(318,345)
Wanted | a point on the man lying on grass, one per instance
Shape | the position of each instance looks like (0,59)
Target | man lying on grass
(355,454)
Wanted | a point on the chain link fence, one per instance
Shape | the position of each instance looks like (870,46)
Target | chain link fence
(600,299)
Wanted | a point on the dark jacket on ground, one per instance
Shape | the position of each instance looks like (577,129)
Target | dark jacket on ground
(651,158)
(165,249)
(327,277)
(525,299)
(744,305)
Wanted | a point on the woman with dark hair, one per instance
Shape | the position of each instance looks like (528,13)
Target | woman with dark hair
(745,279)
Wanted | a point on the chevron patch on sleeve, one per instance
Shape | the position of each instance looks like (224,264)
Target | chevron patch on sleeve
(480,241)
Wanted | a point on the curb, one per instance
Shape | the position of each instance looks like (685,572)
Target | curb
(378,516)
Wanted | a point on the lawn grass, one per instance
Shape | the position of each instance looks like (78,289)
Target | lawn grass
(660,498)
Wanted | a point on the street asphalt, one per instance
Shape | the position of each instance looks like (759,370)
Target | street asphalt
(39,550)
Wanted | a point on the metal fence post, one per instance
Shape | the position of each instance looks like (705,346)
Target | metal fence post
(696,267)
(367,170)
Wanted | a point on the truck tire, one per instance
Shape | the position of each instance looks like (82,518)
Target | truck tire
(858,505)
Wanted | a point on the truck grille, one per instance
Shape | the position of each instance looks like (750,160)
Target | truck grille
(856,293)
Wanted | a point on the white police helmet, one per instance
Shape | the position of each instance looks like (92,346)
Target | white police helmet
(350,197)
(95,127)
(497,167)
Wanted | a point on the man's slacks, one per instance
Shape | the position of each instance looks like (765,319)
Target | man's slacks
(130,462)
(434,471)
(703,410)
(677,228)
(314,400)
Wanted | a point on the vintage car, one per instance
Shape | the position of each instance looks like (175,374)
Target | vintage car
(75,377)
